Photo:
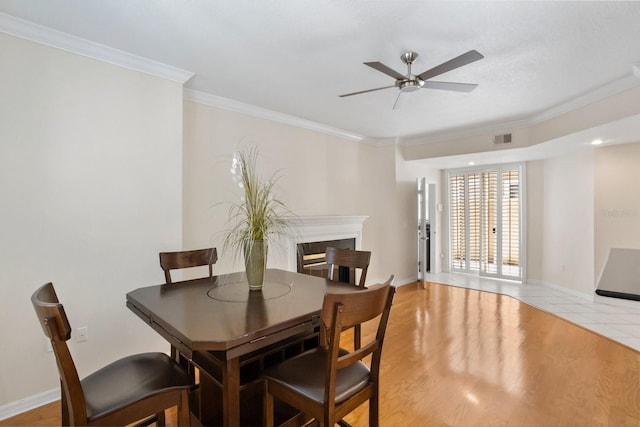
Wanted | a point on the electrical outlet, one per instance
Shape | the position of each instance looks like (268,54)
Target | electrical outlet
(82,334)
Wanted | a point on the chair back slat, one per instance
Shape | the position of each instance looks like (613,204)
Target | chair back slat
(48,308)
(187,259)
(359,354)
(361,306)
(352,259)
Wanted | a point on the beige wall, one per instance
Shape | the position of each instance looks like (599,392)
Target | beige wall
(319,175)
(590,202)
(534,224)
(90,171)
(568,221)
(617,200)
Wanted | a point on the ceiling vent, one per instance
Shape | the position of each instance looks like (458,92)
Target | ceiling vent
(502,139)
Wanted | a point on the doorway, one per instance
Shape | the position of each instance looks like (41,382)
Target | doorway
(485,221)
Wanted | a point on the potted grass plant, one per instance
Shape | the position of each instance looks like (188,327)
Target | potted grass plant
(257,218)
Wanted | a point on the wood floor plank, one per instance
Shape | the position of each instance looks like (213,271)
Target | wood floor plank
(460,357)
(46,415)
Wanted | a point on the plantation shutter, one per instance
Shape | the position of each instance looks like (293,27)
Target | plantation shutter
(458,221)
(485,221)
(475,206)
(511,222)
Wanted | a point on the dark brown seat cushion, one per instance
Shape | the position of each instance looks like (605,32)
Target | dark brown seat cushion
(130,379)
(305,373)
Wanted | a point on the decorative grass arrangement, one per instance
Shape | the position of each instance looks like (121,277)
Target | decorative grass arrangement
(259,215)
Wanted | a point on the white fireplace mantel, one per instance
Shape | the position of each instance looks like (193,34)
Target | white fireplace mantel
(308,229)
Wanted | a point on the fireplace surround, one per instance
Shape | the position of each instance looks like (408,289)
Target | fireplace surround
(310,229)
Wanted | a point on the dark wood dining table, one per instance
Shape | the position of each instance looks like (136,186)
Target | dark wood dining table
(222,326)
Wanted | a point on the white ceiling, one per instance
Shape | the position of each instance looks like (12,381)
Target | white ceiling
(295,57)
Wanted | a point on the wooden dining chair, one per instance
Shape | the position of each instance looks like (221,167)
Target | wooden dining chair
(327,382)
(187,259)
(351,259)
(131,389)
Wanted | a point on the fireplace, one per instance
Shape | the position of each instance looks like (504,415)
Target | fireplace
(316,229)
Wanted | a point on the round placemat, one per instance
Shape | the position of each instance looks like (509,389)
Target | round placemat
(239,291)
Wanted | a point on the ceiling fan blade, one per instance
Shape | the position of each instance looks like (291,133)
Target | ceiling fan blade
(452,64)
(384,69)
(397,103)
(365,91)
(457,87)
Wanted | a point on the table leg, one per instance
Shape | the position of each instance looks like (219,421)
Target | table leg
(231,392)
(210,400)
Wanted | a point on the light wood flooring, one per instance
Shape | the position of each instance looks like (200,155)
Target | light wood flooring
(461,357)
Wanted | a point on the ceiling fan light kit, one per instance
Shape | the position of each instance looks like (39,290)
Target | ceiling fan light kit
(410,82)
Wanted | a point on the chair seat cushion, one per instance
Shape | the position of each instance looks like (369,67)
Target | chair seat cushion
(305,373)
(130,379)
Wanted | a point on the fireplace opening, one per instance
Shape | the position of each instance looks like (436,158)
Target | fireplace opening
(311,259)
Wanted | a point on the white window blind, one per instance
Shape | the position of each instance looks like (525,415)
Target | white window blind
(511,220)
(457,191)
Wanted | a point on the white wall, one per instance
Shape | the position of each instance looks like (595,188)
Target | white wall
(534,219)
(617,200)
(568,221)
(406,193)
(90,172)
(319,175)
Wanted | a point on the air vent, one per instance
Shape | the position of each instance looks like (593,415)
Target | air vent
(502,139)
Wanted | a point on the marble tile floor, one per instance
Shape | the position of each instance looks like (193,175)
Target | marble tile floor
(614,318)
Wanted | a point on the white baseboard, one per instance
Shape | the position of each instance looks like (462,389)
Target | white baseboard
(396,282)
(28,403)
(406,281)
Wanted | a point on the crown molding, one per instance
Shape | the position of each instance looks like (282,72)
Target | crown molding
(487,129)
(609,89)
(612,88)
(37,33)
(252,110)
(381,142)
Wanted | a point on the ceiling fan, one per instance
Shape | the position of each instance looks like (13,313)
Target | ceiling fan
(412,82)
